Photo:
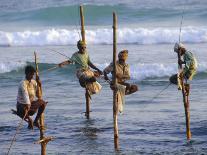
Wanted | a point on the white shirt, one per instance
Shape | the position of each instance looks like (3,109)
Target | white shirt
(26,91)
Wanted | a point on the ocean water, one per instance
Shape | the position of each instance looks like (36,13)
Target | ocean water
(148,30)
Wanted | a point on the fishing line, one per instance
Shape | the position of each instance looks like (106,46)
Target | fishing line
(160,92)
(17,130)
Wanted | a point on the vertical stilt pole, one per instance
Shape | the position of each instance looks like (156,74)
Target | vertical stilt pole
(43,144)
(185,93)
(84,40)
(187,111)
(115,106)
(87,104)
(82,24)
(43,140)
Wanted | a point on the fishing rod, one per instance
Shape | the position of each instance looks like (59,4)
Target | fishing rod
(181,23)
(17,130)
(52,68)
(59,53)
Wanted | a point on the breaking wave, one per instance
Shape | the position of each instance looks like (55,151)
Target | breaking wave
(138,71)
(6,67)
(104,36)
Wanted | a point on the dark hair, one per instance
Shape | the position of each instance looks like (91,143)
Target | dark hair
(29,69)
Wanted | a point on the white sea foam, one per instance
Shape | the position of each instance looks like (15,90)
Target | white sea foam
(142,71)
(104,36)
(138,71)
(11,66)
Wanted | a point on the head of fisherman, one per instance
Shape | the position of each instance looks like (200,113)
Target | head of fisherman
(81,46)
(179,47)
(29,72)
(123,55)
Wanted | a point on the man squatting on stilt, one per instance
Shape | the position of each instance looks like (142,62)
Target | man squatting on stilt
(122,72)
(86,76)
(190,62)
(26,103)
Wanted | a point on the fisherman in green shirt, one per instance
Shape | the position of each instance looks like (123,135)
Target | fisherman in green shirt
(190,62)
(86,76)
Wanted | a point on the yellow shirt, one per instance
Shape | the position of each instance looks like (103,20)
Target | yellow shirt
(121,69)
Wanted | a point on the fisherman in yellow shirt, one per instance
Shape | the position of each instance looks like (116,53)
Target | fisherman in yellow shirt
(122,72)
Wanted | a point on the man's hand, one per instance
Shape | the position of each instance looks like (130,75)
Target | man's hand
(64,63)
(38,81)
(61,64)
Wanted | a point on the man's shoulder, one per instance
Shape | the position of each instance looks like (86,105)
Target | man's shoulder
(26,82)
(33,81)
(75,53)
(188,54)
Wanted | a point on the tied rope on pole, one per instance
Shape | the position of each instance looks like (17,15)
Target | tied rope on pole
(17,130)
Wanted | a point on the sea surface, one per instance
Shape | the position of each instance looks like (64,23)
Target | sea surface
(148,29)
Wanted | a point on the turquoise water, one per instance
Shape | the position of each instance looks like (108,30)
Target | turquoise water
(148,30)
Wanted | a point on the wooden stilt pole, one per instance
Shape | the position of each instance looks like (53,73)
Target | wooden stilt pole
(185,93)
(187,111)
(82,24)
(43,140)
(43,144)
(87,96)
(87,104)
(115,103)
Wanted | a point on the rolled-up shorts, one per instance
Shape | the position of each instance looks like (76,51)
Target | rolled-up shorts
(33,109)
(83,75)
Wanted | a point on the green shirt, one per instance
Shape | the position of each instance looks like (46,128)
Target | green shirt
(81,60)
(190,65)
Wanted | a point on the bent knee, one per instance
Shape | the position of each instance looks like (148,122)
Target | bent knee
(134,88)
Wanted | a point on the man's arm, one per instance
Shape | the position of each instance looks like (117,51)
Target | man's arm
(106,76)
(94,67)
(107,70)
(64,63)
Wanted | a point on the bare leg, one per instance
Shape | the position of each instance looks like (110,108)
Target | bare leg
(40,111)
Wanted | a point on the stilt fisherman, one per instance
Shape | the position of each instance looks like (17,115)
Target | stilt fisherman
(190,63)
(87,77)
(122,75)
(123,72)
(27,104)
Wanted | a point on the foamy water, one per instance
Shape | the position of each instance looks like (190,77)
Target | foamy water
(104,36)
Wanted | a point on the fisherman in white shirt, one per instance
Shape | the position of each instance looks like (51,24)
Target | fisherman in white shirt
(27,104)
